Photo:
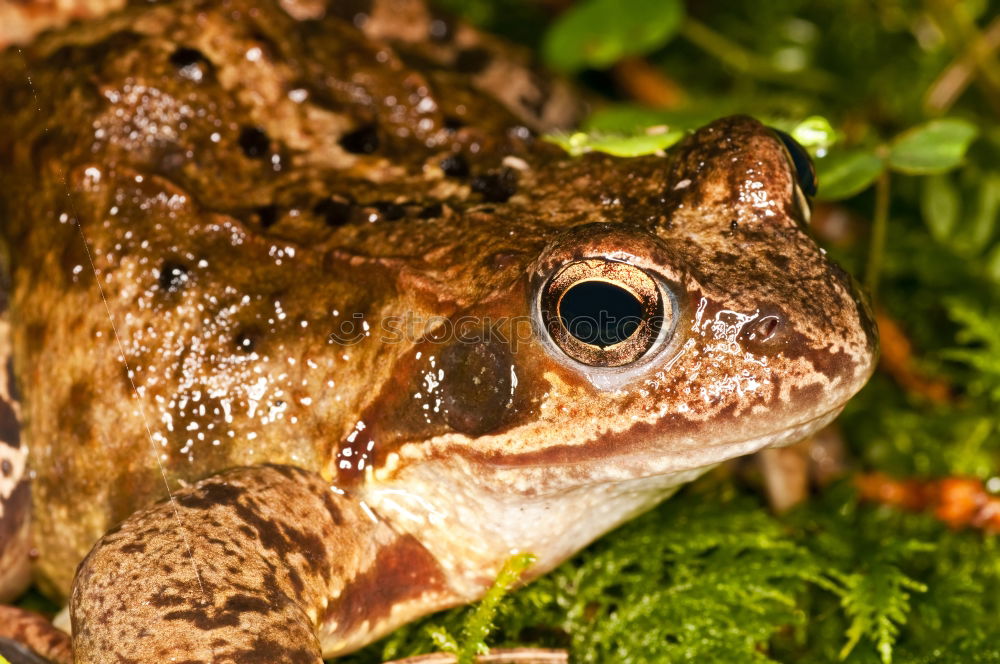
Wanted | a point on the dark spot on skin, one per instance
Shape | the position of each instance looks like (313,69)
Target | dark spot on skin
(77,412)
(267,650)
(477,388)
(254,142)
(191,63)
(209,495)
(348,9)
(781,261)
(455,166)
(246,340)
(37,334)
(10,430)
(389,211)
(403,569)
(335,514)
(296,580)
(267,215)
(288,472)
(202,619)
(432,211)
(173,277)
(11,381)
(496,186)
(334,212)
(363,140)
(472,60)
(162,600)
(6,467)
(244,603)
(268,531)
(451,123)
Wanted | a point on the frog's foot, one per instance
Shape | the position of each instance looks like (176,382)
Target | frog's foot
(15,494)
(257,564)
(790,471)
(30,638)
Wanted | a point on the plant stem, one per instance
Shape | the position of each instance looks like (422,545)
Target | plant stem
(749,63)
(880,230)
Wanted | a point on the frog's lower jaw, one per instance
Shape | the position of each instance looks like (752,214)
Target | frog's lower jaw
(258,564)
(551,511)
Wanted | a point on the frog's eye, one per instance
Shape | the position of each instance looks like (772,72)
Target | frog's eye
(602,313)
(805,172)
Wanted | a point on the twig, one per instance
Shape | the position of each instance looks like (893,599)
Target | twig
(646,84)
(880,229)
(954,80)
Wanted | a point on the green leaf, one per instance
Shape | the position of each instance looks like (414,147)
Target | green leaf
(982,226)
(442,638)
(631,119)
(993,265)
(580,143)
(598,33)
(933,147)
(814,133)
(844,174)
(940,206)
(877,602)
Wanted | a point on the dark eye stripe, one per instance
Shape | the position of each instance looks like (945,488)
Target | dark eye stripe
(805,173)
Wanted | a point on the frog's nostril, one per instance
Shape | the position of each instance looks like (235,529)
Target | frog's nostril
(764,329)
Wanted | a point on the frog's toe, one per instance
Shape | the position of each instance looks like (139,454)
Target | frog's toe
(28,638)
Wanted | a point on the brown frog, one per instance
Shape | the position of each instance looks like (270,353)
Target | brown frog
(306,276)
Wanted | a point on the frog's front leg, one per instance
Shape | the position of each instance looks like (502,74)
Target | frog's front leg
(257,564)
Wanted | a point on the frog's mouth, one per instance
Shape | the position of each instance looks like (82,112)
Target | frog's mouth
(637,453)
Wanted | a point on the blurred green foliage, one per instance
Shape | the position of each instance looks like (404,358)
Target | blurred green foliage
(900,94)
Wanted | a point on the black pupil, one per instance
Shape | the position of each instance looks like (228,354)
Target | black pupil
(600,313)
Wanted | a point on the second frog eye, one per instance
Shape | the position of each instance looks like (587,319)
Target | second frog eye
(805,172)
(602,313)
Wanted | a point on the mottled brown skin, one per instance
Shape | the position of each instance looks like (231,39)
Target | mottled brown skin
(278,218)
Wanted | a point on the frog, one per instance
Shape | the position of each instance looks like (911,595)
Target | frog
(310,330)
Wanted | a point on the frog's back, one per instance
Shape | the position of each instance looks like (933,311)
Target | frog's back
(224,196)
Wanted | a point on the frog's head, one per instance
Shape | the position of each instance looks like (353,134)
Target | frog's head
(717,330)
(693,323)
